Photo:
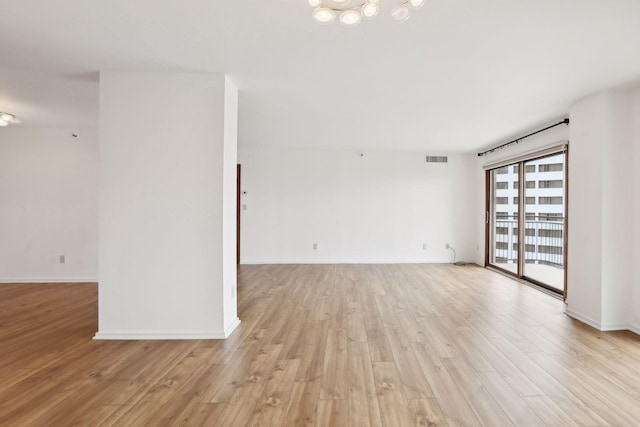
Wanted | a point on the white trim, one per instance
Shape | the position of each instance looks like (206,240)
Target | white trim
(599,326)
(556,147)
(234,324)
(584,319)
(635,329)
(160,335)
(615,327)
(140,335)
(345,261)
(48,280)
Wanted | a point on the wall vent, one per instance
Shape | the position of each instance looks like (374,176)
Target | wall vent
(437,159)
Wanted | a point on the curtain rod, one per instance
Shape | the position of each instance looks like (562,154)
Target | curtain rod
(515,141)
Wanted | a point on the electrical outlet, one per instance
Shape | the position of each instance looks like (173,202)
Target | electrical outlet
(424,246)
(315,246)
(446,246)
(63,259)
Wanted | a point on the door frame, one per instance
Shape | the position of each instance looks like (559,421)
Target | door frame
(238,205)
(522,219)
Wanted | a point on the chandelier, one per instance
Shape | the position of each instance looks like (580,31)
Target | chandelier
(6,119)
(351,12)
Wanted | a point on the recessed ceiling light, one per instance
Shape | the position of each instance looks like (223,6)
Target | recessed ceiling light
(324,15)
(352,12)
(6,119)
(400,13)
(350,18)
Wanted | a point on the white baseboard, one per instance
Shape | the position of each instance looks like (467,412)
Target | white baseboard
(48,280)
(340,261)
(634,328)
(140,335)
(595,324)
(232,327)
(160,335)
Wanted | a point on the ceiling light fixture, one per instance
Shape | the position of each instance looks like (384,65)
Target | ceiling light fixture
(353,11)
(6,119)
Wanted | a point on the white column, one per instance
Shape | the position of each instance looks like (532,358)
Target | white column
(599,210)
(634,238)
(163,221)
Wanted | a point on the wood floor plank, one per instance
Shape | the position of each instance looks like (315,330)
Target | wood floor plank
(364,409)
(549,412)
(454,406)
(427,413)
(352,345)
(513,405)
(394,407)
(482,402)
(303,404)
(332,412)
(334,374)
(270,410)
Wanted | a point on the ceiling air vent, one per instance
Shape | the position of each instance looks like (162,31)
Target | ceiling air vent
(437,159)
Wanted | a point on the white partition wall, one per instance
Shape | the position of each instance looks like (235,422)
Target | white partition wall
(634,214)
(164,226)
(600,211)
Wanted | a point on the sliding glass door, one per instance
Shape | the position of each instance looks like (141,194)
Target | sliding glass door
(504,213)
(526,220)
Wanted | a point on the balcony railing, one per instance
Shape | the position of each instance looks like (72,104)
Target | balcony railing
(543,240)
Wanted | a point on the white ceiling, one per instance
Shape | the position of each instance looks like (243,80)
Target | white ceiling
(458,76)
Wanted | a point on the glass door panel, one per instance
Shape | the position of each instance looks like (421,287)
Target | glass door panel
(503,221)
(545,219)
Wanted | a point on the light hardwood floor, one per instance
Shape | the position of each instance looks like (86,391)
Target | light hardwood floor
(332,345)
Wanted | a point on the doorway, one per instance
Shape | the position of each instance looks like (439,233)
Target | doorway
(238,204)
(527,220)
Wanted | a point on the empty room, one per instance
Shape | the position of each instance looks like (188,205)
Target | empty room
(320,213)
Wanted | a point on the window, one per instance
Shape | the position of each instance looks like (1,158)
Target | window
(556,183)
(553,167)
(550,200)
(553,250)
(535,252)
(551,217)
(543,232)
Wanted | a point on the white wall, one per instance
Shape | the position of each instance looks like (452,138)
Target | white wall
(48,205)
(600,225)
(634,214)
(229,199)
(162,169)
(552,136)
(380,207)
